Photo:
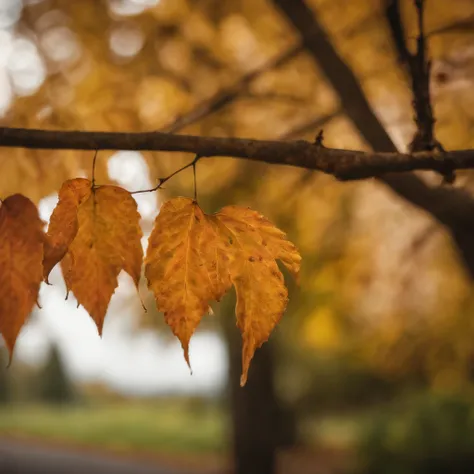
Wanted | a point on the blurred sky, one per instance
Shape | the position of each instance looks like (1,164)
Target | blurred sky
(125,359)
(130,361)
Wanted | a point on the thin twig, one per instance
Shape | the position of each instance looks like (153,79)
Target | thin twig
(162,181)
(338,74)
(397,29)
(419,68)
(226,96)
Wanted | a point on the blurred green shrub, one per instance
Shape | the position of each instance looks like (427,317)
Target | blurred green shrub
(431,434)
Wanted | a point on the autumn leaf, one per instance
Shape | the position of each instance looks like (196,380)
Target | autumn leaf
(268,235)
(175,268)
(255,244)
(215,258)
(63,223)
(108,240)
(193,259)
(21,255)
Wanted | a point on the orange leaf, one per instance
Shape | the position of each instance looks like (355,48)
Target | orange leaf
(193,259)
(108,240)
(175,270)
(21,255)
(63,224)
(215,258)
(269,236)
(261,293)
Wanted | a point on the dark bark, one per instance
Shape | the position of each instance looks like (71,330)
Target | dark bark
(344,164)
(419,68)
(260,424)
(451,207)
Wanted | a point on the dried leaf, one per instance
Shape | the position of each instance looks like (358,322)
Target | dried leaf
(108,240)
(193,259)
(21,255)
(215,258)
(175,269)
(261,292)
(63,223)
(269,236)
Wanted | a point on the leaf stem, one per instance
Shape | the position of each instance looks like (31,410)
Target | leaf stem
(94,160)
(196,159)
(162,181)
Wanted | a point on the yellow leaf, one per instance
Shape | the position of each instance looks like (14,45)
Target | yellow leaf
(215,257)
(175,270)
(108,240)
(261,292)
(268,235)
(21,255)
(63,224)
(193,259)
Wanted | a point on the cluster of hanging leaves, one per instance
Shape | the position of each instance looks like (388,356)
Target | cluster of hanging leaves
(192,259)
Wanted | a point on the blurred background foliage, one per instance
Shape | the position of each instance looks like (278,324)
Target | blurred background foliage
(384,308)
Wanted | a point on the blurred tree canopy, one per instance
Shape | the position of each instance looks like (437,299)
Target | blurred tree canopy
(383,289)
(376,267)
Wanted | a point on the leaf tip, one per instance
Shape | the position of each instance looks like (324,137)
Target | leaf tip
(142,303)
(46,272)
(10,345)
(186,356)
(100,326)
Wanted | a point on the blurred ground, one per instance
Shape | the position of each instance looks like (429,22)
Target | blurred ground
(171,427)
(26,458)
(160,436)
(33,457)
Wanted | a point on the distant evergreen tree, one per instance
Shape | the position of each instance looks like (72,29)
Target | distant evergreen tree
(4,382)
(54,384)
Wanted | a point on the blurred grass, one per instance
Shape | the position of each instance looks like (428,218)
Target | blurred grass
(176,426)
(170,427)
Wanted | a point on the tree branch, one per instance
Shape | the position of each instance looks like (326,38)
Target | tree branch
(397,30)
(419,67)
(441,203)
(338,74)
(452,207)
(226,96)
(343,164)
